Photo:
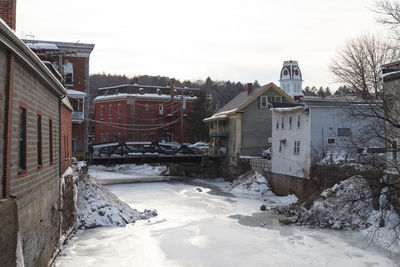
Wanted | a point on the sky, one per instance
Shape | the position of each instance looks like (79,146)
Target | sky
(189,40)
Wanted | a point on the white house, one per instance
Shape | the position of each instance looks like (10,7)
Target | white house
(318,127)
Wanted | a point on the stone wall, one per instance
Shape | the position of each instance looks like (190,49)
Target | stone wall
(8,232)
(282,185)
(261,165)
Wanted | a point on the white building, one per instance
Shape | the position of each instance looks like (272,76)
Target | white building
(315,129)
(291,79)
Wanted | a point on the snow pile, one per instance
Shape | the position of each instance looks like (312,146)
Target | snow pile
(347,205)
(251,182)
(256,185)
(99,207)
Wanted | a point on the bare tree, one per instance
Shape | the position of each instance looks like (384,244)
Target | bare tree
(358,66)
(388,14)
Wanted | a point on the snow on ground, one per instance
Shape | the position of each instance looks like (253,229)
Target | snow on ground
(97,206)
(126,173)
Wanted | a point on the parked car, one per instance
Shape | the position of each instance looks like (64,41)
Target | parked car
(199,146)
(266,153)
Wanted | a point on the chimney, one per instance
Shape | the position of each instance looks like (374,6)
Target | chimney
(135,81)
(8,12)
(249,88)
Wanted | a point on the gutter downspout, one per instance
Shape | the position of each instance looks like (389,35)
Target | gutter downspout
(7,125)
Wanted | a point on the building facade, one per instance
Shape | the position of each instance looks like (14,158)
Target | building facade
(72,62)
(243,126)
(30,97)
(319,130)
(143,113)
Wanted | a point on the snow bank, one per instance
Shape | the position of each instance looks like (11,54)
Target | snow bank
(255,184)
(96,206)
(347,205)
(250,183)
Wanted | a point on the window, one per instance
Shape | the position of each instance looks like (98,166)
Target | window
(277,125)
(110,110)
(331,140)
(290,122)
(389,101)
(263,101)
(101,110)
(298,121)
(119,109)
(161,121)
(153,121)
(101,124)
(344,132)
(271,98)
(22,139)
(283,123)
(161,109)
(146,107)
(39,140)
(119,122)
(101,138)
(296,147)
(51,140)
(106,138)
(184,104)
(110,125)
(278,99)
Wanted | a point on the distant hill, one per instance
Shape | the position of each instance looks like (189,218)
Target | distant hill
(221,91)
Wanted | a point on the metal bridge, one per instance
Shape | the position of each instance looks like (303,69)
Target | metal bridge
(142,152)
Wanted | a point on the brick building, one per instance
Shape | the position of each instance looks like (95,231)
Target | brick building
(30,114)
(72,61)
(143,113)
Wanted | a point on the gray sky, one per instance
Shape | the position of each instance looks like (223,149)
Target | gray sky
(225,39)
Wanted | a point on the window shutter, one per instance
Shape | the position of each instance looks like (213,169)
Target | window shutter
(259,102)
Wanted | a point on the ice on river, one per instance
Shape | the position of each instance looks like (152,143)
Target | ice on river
(200,225)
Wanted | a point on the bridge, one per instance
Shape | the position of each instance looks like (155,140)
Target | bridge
(141,152)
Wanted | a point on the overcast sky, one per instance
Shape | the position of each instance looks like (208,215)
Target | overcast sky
(225,39)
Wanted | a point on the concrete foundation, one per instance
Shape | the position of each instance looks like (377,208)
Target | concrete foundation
(282,185)
(8,232)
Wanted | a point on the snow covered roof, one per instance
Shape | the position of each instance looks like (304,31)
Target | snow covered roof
(66,103)
(218,116)
(42,46)
(288,109)
(153,96)
(75,93)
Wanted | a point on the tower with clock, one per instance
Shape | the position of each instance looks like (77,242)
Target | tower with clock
(291,79)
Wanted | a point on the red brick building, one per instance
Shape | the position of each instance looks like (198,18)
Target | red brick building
(72,62)
(143,113)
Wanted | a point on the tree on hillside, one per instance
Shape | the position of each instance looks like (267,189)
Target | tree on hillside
(197,129)
(342,91)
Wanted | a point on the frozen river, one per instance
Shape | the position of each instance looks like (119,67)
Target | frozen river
(202,226)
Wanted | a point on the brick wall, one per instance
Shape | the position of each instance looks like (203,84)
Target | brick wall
(3,75)
(7,12)
(66,138)
(38,189)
